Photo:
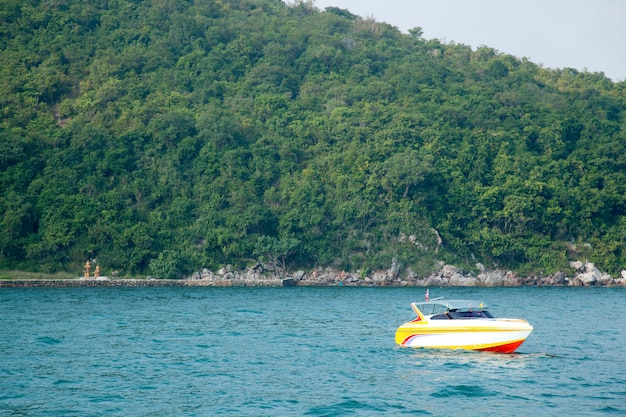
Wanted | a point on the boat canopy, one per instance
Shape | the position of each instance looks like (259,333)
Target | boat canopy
(441,306)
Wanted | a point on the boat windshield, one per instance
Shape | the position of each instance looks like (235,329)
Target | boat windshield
(431,308)
(469,314)
(456,309)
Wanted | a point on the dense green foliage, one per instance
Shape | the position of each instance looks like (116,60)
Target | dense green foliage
(163,136)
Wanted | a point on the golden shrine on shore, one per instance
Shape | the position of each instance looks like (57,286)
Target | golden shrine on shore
(96,272)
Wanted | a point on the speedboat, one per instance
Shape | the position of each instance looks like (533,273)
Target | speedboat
(461,324)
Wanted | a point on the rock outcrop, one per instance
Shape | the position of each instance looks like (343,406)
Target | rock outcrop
(586,274)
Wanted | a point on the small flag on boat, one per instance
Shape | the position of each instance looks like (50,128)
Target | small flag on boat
(427,299)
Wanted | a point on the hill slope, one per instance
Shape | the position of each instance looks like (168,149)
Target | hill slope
(164,136)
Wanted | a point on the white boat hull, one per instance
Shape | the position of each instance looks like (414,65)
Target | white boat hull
(499,335)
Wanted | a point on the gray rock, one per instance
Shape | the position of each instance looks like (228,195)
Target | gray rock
(491,279)
(575,282)
(298,276)
(448,271)
(604,279)
(378,278)
(620,282)
(459,280)
(559,278)
(435,281)
(577,265)
(393,271)
(512,280)
(591,267)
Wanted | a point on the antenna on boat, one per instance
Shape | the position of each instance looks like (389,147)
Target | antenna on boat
(428,299)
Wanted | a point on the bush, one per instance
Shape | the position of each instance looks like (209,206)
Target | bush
(165,266)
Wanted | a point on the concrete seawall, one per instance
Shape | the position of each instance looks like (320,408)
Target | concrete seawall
(80,283)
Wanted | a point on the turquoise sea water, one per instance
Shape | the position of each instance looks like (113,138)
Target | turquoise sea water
(300,351)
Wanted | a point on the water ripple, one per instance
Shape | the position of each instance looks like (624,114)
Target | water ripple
(299,351)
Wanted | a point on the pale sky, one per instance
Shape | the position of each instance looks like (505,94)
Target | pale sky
(582,34)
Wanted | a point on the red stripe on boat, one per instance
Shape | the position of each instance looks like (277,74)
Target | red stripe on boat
(507,348)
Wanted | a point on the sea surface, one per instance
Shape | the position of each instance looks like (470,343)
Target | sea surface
(200,351)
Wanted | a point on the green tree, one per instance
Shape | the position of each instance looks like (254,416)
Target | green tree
(277,252)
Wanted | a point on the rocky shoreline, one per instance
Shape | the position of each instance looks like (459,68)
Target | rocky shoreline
(586,275)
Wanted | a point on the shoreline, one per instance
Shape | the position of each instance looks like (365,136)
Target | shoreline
(270,283)
(586,275)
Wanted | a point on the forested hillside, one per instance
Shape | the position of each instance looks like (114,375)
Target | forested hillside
(164,136)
